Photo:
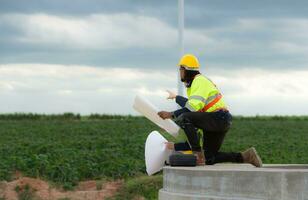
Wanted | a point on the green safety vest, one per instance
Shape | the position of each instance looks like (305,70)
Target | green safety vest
(203,96)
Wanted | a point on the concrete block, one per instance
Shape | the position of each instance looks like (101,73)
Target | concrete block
(236,181)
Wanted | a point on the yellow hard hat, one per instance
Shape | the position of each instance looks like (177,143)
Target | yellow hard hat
(190,62)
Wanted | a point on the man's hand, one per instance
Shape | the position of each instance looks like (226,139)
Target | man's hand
(172,95)
(165,114)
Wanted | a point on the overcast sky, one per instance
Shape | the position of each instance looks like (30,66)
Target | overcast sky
(94,56)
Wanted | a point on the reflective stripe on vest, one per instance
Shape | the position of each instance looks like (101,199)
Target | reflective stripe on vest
(205,101)
(200,98)
(189,107)
(208,103)
(212,100)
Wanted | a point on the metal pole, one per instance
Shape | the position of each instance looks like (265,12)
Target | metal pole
(181,40)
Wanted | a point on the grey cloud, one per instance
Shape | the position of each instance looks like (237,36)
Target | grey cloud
(194,8)
(128,58)
(216,19)
(199,13)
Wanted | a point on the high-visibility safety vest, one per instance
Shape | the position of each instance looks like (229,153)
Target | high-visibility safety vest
(203,96)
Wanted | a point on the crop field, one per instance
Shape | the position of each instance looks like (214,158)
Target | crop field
(66,149)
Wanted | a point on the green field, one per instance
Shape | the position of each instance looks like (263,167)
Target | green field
(65,149)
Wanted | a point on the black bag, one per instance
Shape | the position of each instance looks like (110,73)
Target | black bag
(180,159)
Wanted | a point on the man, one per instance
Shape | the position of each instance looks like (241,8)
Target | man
(204,109)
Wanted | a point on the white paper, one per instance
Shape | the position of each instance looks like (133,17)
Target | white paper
(156,152)
(144,107)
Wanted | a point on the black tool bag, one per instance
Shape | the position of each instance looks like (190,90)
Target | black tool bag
(180,159)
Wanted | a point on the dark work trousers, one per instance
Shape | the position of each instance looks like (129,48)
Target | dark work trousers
(215,125)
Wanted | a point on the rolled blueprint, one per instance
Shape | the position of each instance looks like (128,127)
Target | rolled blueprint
(144,107)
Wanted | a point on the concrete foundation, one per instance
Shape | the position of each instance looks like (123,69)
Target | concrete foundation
(236,182)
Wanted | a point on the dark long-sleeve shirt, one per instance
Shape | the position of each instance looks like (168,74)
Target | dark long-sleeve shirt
(181,101)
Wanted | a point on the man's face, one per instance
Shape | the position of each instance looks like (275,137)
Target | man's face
(182,74)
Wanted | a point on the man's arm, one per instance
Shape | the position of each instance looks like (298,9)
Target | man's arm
(180,100)
(180,111)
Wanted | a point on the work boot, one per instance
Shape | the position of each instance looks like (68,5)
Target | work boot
(200,158)
(251,156)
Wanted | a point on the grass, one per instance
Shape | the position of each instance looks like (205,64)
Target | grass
(68,151)
(69,148)
(140,186)
(278,140)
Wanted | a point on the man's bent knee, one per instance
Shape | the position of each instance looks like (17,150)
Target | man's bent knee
(183,120)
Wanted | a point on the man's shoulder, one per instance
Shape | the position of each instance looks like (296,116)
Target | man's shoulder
(200,78)
(203,81)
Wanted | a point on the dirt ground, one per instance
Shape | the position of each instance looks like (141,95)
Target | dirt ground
(41,190)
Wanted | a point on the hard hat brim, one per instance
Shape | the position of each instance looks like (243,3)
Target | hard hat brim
(189,68)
